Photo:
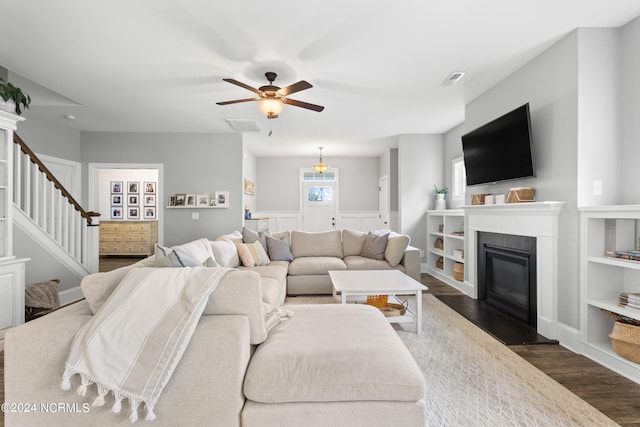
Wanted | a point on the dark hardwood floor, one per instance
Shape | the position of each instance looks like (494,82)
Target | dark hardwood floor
(612,394)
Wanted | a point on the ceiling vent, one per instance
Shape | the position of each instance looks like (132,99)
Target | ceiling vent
(453,78)
(241,125)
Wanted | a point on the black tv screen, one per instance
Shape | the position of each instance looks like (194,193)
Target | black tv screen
(499,150)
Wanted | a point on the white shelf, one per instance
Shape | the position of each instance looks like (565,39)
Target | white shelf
(603,278)
(197,207)
(451,220)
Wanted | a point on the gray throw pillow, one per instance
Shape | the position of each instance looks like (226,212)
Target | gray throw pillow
(250,236)
(279,249)
(375,244)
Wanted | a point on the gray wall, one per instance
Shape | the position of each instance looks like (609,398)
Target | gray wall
(573,92)
(278,182)
(420,160)
(193,163)
(630,114)
(45,137)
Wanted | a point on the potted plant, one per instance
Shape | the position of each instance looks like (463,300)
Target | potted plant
(441,203)
(440,192)
(14,98)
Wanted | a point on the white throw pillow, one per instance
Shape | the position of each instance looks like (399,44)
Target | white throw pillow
(225,252)
(396,246)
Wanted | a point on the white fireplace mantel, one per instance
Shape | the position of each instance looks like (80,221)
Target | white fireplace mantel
(535,219)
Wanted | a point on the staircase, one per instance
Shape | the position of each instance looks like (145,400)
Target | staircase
(46,212)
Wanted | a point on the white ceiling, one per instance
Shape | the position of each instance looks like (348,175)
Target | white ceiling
(377,66)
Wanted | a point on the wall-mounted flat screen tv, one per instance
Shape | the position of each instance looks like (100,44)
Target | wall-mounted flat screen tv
(500,150)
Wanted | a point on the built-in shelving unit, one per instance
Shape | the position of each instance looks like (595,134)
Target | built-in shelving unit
(445,228)
(607,229)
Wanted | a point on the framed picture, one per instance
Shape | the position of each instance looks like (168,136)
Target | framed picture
(203,199)
(150,200)
(133,186)
(249,187)
(172,200)
(222,199)
(191,200)
(181,199)
(116,212)
(116,187)
(133,200)
(133,213)
(149,187)
(149,213)
(116,200)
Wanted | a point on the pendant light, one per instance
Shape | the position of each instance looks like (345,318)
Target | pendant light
(321,167)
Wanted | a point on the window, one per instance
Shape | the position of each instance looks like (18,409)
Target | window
(459,179)
(319,194)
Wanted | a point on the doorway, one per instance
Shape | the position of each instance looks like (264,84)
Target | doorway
(319,200)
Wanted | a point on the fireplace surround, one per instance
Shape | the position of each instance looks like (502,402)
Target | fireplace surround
(538,220)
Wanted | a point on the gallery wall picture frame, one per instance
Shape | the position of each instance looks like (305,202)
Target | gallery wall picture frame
(191,200)
(133,200)
(116,200)
(222,198)
(203,199)
(116,212)
(249,187)
(149,187)
(181,199)
(133,186)
(116,187)
(150,200)
(133,213)
(149,212)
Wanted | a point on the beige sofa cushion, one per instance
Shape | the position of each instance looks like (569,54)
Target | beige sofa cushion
(396,245)
(352,242)
(357,262)
(325,244)
(332,353)
(304,266)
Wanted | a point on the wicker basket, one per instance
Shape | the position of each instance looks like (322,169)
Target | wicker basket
(519,195)
(438,243)
(458,271)
(625,339)
(478,199)
(440,263)
(393,310)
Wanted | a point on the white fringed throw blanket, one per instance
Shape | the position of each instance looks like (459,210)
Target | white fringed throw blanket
(134,343)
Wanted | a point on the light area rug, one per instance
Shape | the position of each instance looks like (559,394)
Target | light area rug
(474,380)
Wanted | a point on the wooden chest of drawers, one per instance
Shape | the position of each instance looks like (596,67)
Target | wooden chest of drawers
(128,237)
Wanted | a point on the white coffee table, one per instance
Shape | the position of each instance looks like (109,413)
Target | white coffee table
(380,282)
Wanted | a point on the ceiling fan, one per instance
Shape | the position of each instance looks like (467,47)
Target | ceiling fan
(272,98)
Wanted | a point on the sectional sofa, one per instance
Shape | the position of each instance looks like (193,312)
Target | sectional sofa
(251,361)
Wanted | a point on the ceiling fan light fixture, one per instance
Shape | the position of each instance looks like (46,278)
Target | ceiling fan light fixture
(271,107)
(320,167)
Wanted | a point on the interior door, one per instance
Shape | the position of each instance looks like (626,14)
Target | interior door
(319,205)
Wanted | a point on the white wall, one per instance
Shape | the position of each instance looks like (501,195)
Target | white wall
(420,160)
(249,172)
(45,137)
(630,112)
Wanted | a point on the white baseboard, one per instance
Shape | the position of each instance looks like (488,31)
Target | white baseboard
(70,295)
(569,337)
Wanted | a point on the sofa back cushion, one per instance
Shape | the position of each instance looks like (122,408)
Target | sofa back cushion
(325,243)
(352,242)
(396,246)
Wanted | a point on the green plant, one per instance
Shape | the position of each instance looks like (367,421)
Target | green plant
(443,190)
(15,94)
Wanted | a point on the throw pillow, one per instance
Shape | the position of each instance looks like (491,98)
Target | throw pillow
(199,250)
(252,254)
(396,246)
(279,249)
(175,259)
(375,243)
(250,236)
(225,252)
(210,262)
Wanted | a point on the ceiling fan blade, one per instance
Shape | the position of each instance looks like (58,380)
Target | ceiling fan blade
(237,101)
(296,87)
(245,86)
(301,104)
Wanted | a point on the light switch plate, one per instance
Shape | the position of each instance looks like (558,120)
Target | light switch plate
(195,215)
